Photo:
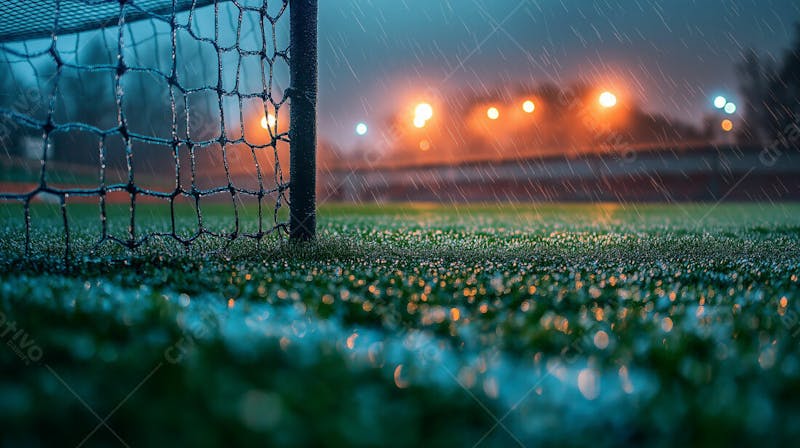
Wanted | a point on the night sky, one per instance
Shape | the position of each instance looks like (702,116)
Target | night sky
(672,56)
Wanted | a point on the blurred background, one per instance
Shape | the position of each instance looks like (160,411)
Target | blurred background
(480,100)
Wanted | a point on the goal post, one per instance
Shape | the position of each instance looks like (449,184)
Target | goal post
(303,132)
(197,105)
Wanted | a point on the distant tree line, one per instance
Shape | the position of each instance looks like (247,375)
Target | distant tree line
(89,96)
(771,93)
(19,98)
(85,95)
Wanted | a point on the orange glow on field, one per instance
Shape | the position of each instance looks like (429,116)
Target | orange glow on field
(399,381)
(493,113)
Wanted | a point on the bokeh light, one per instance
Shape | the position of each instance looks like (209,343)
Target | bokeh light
(607,100)
(493,113)
(727,125)
(419,122)
(730,108)
(361,129)
(720,102)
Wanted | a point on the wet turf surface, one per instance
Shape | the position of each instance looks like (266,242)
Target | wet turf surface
(414,325)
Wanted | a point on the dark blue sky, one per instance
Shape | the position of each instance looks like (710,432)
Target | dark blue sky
(671,55)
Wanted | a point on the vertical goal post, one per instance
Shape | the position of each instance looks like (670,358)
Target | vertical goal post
(303,65)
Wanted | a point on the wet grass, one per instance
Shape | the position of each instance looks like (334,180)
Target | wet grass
(414,324)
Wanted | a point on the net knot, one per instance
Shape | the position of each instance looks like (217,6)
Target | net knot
(48,125)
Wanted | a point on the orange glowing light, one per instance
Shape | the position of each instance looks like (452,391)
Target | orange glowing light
(607,100)
(727,125)
(528,107)
(268,121)
(419,122)
(493,113)
(424,145)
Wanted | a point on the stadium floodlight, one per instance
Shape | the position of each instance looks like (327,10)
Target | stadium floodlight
(361,129)
(730,108)
(493,113)
(528,106)
(288,46)
(607,100)
(424,111)
(268,122)
(720,102)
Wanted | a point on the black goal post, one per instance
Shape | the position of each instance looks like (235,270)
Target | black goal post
(303,67)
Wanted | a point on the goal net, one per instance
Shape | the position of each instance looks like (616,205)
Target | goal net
(129,123)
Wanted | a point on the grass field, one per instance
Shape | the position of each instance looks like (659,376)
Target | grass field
(414,325)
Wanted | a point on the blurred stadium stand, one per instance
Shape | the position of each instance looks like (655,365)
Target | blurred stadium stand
(707,173)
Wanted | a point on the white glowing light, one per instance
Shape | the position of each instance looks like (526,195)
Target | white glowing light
(268,121)
(424,111)
(528,106)
(607,100)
